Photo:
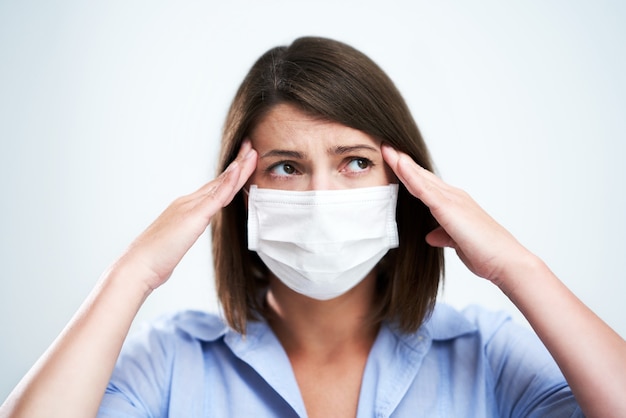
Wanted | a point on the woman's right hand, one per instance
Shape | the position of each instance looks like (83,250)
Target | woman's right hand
(70,378)
(157,251)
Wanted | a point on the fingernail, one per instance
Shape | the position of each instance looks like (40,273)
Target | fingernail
(245,145)
(391,151)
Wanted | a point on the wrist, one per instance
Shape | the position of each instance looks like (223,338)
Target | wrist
(129,280)
(521,273)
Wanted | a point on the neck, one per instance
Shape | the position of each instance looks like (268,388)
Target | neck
(309,326)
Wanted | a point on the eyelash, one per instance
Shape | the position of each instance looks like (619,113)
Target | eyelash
(367,161)
(270,170)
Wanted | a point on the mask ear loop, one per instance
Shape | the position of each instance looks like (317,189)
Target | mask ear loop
(246,197)
(247,191)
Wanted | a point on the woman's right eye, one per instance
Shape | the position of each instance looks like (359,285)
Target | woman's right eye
(283,170)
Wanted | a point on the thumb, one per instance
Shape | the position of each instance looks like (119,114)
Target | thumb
(440,238)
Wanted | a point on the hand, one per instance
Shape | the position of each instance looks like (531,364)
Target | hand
(485,247)
(155,253)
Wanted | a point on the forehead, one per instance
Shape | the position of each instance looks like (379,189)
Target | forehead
(287,126)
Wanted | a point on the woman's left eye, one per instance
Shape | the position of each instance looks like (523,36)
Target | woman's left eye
(358,164)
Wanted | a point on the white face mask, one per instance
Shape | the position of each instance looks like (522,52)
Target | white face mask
(322,243)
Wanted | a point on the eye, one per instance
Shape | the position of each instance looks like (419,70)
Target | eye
(282,169)
(359,164)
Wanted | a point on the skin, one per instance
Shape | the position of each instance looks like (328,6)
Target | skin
(84,354)
(297,152)
(590,354)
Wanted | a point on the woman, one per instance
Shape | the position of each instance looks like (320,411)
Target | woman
(328,228)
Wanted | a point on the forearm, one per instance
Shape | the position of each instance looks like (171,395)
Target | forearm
(590,354)
(70,378)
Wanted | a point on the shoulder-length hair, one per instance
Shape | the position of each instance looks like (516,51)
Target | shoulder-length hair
(334,81)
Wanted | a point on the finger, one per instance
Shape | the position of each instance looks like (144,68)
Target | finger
(440,238)
(420,182)
(209,187)
(247,165)
(221,191)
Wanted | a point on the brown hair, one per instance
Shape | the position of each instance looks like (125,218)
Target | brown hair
(334,81)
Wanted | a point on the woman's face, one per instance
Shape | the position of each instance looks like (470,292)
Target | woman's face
(299,152)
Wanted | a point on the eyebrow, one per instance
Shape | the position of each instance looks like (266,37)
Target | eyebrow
(338,150)
(296,155)
(348,149)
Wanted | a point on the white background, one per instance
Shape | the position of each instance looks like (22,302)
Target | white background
(110,110)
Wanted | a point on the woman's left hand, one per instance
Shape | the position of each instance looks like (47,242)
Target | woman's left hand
(485,247)
(594,366)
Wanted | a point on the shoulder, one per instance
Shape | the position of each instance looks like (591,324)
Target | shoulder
(156,354)
(196,325)
(485,332)
(448,323)
(493,332)
(169,338)
(511,359)
(187,325)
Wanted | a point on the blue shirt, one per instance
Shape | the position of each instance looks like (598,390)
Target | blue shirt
(458,364)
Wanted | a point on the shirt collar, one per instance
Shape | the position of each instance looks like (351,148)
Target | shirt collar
(202,326)
(445,323)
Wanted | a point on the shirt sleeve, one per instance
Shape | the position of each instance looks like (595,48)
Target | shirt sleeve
(139,383)
(528,382)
